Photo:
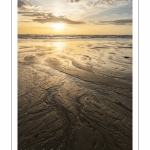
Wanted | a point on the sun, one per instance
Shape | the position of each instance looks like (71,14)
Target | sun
(58,26)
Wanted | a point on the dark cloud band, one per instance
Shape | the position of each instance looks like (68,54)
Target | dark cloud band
(56,20)
(115,22)
(42,17)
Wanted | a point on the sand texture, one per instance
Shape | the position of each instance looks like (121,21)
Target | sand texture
(75,94)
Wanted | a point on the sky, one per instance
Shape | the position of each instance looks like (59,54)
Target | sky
(96,17)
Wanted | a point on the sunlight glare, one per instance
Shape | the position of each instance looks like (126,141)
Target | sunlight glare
(59,45)
(58,26)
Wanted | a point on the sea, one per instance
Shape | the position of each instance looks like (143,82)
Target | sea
(48,36)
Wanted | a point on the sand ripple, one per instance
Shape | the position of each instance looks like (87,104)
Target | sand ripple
(74,100)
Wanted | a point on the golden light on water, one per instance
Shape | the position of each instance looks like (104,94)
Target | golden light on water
(58,26)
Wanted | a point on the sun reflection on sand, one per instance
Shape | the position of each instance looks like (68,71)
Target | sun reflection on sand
(59,45)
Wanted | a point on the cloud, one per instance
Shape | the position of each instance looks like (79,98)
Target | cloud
(102,3)
(24,21)
(32,14)
(115,22)
(72,1)
(55,19)
(24,5)
(42,17)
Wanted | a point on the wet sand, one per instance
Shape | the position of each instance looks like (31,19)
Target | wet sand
(75,94)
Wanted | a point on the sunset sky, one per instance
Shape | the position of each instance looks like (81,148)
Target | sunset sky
(75,17)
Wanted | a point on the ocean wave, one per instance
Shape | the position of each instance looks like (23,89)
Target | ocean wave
(40,36)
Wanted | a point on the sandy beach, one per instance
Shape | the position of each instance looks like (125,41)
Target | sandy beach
(75,94)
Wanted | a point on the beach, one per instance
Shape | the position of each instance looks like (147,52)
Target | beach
(75,94)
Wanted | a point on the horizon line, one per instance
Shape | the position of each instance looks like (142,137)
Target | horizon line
(71,34)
